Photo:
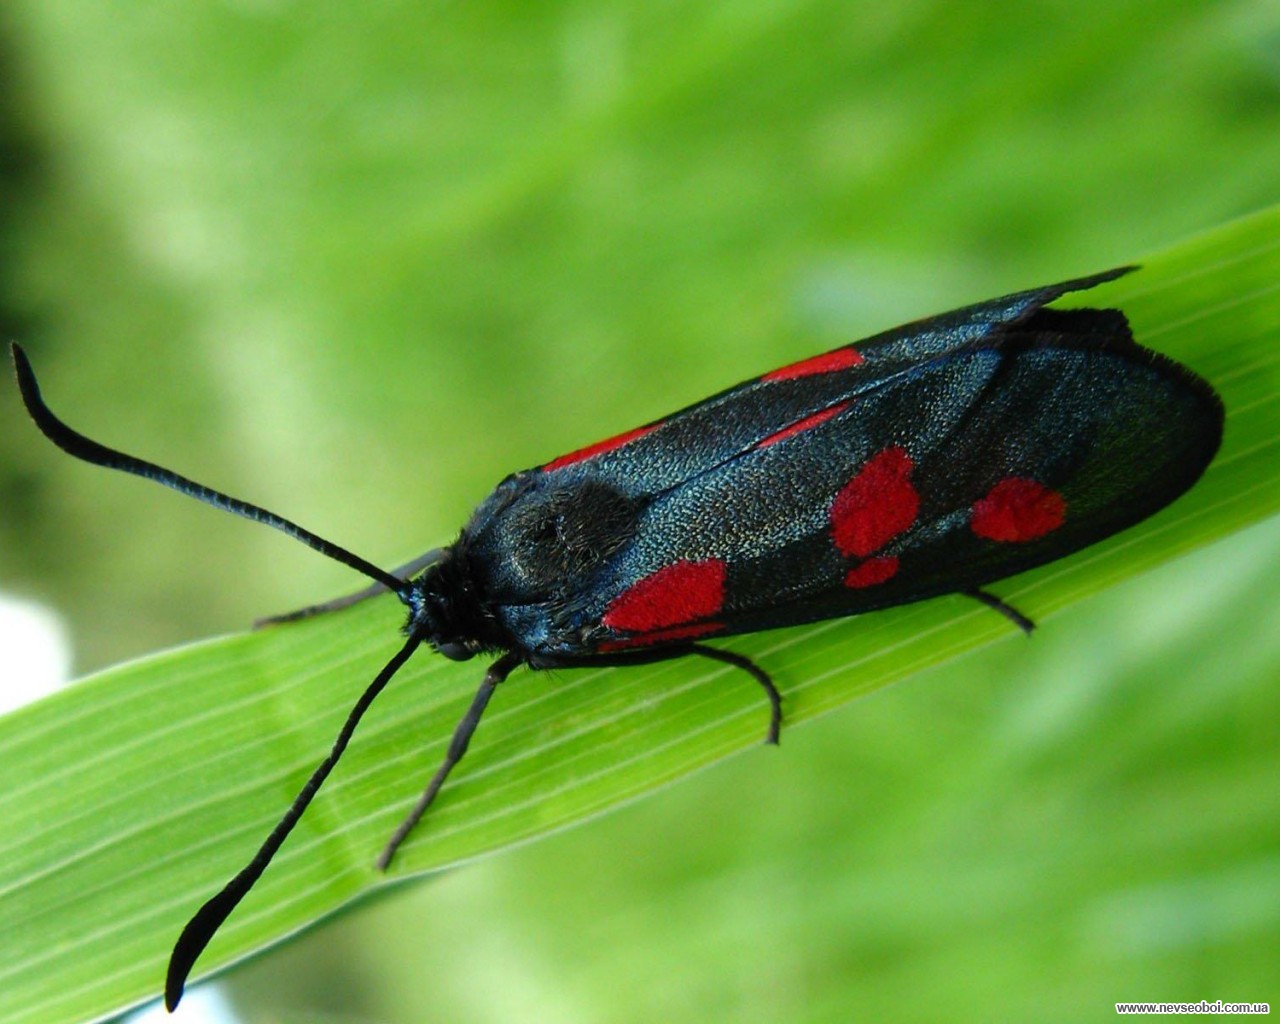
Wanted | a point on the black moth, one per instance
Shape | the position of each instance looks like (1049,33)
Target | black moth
(934,458)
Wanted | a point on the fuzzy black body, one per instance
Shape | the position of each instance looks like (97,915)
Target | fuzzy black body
(935,457)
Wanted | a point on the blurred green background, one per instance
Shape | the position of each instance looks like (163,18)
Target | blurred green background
(358,261)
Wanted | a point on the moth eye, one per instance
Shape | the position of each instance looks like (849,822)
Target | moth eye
(455,651)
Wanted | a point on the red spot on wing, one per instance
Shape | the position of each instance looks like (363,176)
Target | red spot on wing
(828,362)
(675,595)
(660,636)
(871,572)
(808,423)
(1018,509)
(876,505)
(599,448)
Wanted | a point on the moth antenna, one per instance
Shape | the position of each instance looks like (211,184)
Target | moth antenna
(81,447)
(404,572)
(208,919)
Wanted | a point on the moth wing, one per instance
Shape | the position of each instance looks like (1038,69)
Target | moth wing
(961,469)
(670,452)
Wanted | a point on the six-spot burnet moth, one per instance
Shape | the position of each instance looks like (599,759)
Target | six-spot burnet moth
(934,458)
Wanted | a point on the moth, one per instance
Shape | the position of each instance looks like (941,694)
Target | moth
(934,458)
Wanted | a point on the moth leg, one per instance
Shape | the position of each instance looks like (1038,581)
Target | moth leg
(462,734)
(404,572)
(1007,610)
(760,675)
(541,661)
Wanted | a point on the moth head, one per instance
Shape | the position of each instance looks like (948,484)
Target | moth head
(440,602)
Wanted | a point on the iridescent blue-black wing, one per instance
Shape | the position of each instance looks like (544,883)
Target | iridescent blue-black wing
(933,458)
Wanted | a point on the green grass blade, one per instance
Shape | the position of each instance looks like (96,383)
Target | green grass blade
(131,797)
